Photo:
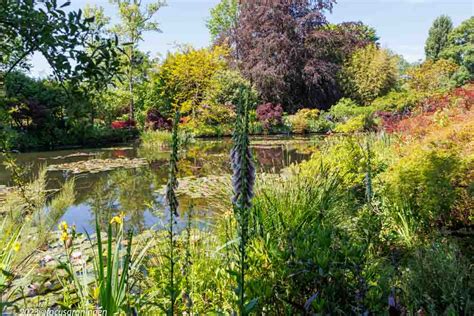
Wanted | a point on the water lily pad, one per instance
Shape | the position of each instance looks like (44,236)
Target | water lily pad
(74,155)
(98,165)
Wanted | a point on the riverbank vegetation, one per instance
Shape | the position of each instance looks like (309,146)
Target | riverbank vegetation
(339,71)
(369,223)
(377,220)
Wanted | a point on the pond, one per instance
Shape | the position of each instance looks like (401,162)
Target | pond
(126,179)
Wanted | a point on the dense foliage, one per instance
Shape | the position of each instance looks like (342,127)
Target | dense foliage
(108,90)
(438,37)
(269,114)
(369,73)
(377,219)
(432,76)
(460,47)
(223,20)
(287,50)
(44,27)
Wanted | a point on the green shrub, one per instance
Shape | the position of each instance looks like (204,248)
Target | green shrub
(347,108)
(431,76)
(302,254)
(398,101)
(358,123)
(322,124)
(212,120)
(159,140)
(438,280)
(460,77)
(201,129)
(302,121)
(255,127)
(347,155)
(225,86)
(351,117)
(425,180)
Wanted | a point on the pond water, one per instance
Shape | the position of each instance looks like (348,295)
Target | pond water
(127,179)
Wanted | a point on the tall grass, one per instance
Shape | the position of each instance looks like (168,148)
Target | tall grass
(7,253)
(153,140)
(28,217)
(187,262)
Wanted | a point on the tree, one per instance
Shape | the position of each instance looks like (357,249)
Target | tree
(223,20)
(327,49)
(438,37)
(460,47)
(135,20)
(44,27)
(100,20)
(216,113)
(79,54)
(184,77)
(370,72)
(269,45)
(291,54)
(225,88)
(40,111)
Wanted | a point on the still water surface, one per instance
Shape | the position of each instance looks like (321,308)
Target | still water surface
(138,191)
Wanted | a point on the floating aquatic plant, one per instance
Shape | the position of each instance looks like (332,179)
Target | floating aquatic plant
(98,165)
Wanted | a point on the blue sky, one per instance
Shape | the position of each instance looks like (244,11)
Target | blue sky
(402,25)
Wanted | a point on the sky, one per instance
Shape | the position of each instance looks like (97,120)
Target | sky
(402,25)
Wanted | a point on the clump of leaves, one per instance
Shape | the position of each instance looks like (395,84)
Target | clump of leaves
(269,115)
(303,121)
(370,72)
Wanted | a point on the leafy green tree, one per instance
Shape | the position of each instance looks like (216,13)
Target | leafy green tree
(44,27)
(135,20)
(216,113)
(185,76)
(223,20)
(460,46)
(114,102)
(37,107)
(370,72)
(438,37)
(100,20)
(225,88)
(82,59)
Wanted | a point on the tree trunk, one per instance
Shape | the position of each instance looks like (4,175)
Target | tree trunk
(130,86)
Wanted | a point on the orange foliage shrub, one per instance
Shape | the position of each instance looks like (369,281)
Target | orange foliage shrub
(433,113)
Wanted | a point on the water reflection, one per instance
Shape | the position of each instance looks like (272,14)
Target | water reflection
(138,192)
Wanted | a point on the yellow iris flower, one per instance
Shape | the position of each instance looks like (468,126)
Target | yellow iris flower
(95,293)
(118,219)
(63,226)
(64,236)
